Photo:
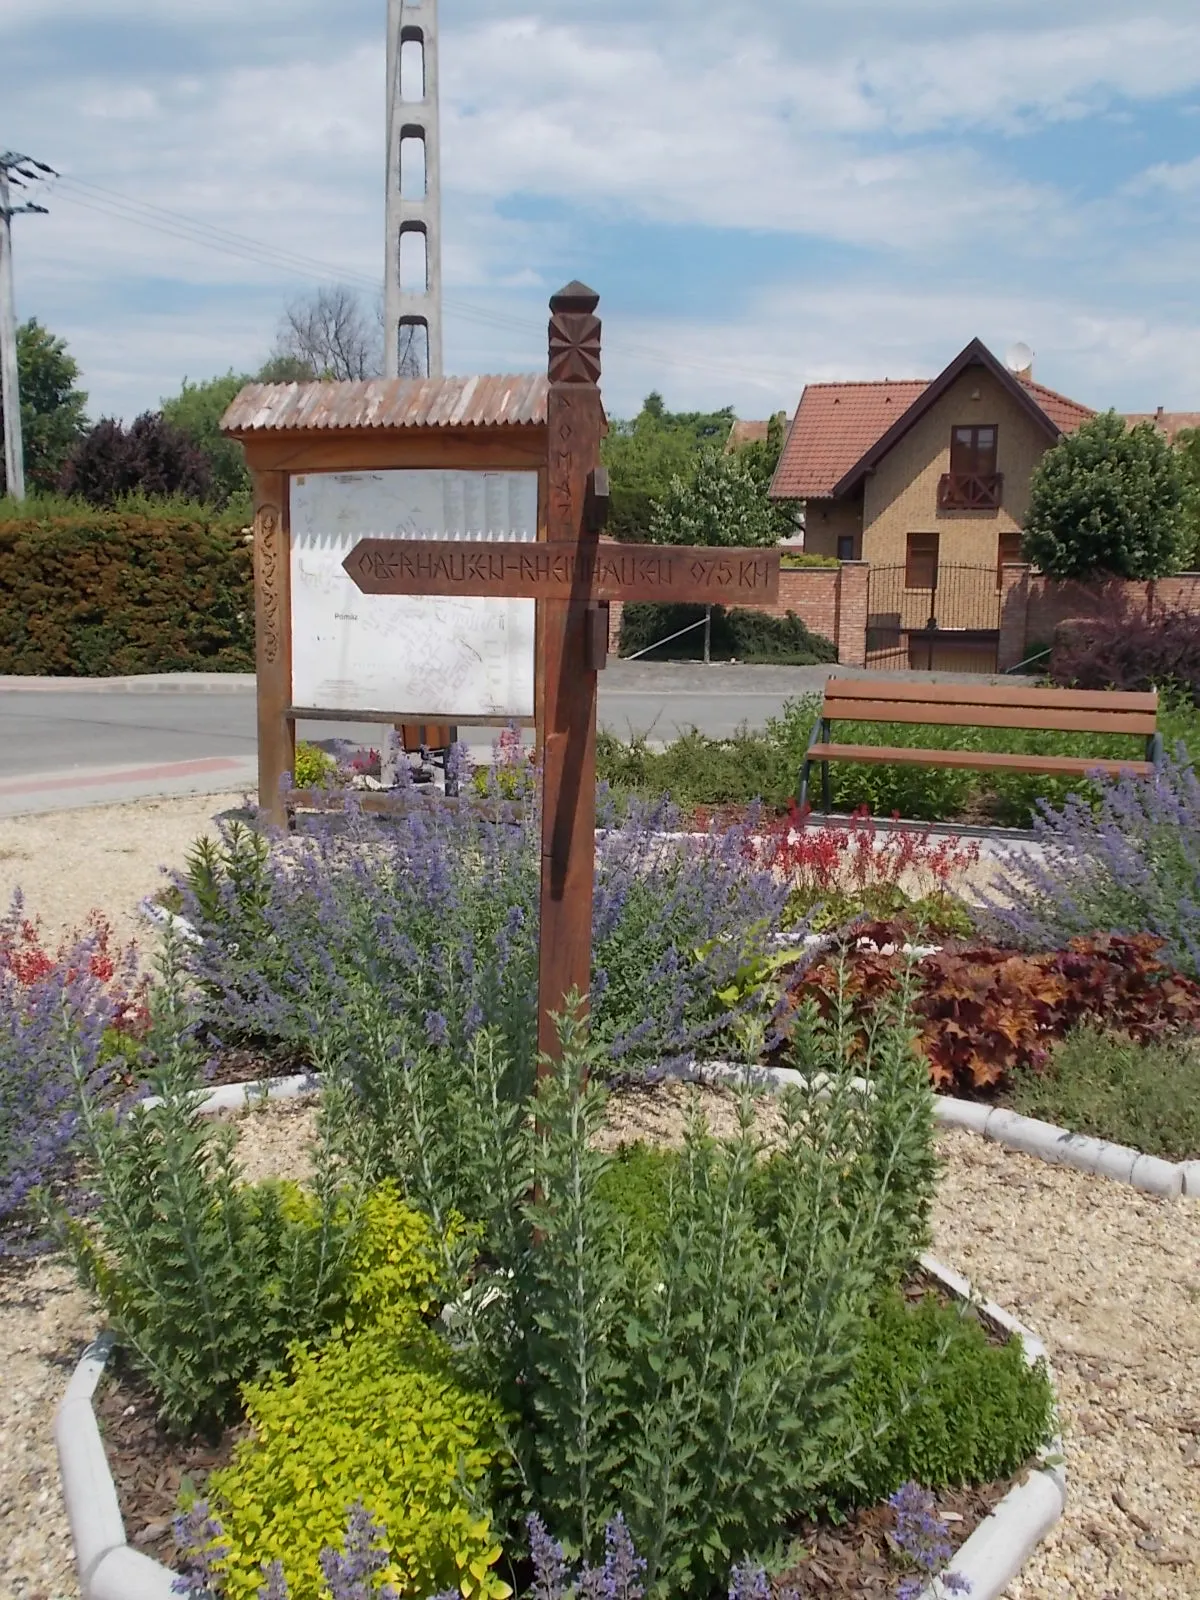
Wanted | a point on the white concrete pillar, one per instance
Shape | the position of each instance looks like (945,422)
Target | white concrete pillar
(410,207)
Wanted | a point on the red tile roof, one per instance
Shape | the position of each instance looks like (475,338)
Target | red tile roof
(838,423)
(1067,415)
(1169,423)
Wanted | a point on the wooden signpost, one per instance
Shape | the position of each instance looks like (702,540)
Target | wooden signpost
(572,576)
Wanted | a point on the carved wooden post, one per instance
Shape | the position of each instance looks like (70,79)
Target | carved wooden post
(273,640)
(575,424)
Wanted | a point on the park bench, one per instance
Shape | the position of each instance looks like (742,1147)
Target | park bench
(988,706)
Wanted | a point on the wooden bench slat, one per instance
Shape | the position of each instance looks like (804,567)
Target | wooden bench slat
(991,695)
(992,716)
(978,760)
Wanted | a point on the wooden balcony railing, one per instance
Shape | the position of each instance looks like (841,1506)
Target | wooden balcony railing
(969,491)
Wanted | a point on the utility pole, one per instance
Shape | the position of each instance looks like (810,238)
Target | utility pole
(15,171)
(413,208)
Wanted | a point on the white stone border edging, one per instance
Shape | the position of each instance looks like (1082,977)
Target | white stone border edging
(1058,1146)
(110,1569)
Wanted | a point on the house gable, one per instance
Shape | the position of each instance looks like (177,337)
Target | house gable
(900,494)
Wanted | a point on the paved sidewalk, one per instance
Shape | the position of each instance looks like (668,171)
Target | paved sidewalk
(152,683)
(105,786)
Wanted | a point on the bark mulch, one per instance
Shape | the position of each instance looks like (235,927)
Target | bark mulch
(856,1558)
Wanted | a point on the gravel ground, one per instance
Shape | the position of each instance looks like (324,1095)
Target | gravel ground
(108,857)
(1109,1278)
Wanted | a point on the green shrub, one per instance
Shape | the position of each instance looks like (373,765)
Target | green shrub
(675,1337)
(314,766)
(822,909)
(138,589)
(740,635)
(1106,1085)
(699,771)
(380,1417)
(939,1404)
(1108,501)
(204,1280)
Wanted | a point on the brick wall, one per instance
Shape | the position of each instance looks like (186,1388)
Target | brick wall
(829,600)
(1033,606)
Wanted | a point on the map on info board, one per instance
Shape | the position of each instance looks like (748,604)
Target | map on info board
(441,657)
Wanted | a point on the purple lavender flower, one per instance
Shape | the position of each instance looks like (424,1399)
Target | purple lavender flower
(749,1582)
(276,1586)
(437,1029)
(550,1579)
(924,1540)
(348,1576)
(198,1539)
(620,1578)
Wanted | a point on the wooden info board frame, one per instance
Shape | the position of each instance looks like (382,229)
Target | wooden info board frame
(492,425)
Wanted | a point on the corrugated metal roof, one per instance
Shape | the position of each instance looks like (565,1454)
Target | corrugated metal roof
(390,403)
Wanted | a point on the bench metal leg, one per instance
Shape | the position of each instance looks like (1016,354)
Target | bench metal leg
(806,766)
(1155,751)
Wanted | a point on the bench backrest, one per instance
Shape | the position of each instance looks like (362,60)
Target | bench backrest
(991,706)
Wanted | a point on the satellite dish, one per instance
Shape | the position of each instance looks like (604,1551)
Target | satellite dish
(1019,358)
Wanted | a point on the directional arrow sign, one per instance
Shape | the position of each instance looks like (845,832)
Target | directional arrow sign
(673,574)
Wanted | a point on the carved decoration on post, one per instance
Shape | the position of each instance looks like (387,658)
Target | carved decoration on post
(268,549)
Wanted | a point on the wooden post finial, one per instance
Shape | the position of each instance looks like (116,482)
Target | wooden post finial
(575,336)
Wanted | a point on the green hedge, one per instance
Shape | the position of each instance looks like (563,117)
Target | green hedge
(737,635)
(93,594)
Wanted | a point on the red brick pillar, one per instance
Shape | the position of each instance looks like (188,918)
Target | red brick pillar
(615,608)
(1014,615)
(852,599)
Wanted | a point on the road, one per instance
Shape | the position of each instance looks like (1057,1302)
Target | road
(72,743)
(79,745)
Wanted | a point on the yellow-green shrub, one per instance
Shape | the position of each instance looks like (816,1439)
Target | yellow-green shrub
(378,1416)
(396,1267)
(314,766)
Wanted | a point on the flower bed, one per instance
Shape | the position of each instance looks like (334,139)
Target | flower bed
(694,1349)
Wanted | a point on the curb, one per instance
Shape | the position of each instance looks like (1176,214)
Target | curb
(110,1569)
(1002,1543)
(152,683)
(1169,1180)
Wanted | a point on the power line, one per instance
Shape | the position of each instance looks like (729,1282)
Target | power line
(16,172)
(96,197)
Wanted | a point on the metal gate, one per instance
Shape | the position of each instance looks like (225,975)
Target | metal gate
(950,625)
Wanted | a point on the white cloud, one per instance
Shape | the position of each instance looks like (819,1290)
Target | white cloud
(860,124)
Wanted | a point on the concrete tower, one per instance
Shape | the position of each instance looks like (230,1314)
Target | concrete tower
(413,286)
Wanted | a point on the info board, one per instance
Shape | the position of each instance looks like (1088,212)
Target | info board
(453,658)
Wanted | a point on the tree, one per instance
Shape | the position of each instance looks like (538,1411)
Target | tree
(1187,447)
(197,411)
(52,408)
(286,369)
(1107,502)
(720,502)
(644,454)
(153,458)
(331,334)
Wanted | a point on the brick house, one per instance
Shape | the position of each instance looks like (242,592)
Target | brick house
(928,483)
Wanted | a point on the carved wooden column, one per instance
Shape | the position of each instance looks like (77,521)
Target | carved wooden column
(575,425)
(273,640)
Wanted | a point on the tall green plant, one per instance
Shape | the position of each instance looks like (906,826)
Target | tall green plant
(205,1280)
(699,1382)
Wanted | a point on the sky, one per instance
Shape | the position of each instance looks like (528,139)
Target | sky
(765,193)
